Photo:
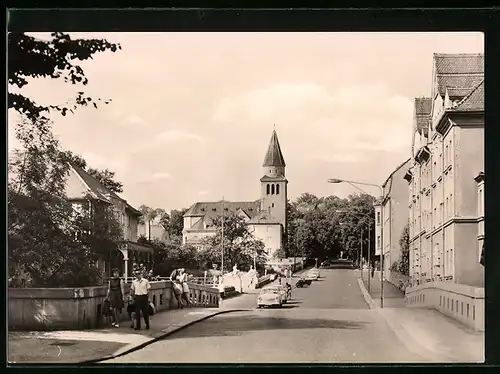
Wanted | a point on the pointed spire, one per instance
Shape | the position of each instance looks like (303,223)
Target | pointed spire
(274,157)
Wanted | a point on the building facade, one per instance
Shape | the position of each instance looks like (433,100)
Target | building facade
(83,190)
(448,153)
(266,217)
(394,207)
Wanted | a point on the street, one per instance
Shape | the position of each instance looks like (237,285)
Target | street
(327,322)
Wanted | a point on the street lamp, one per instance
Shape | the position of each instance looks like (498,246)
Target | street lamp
(337,181)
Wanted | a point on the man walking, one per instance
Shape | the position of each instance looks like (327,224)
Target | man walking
(140,291)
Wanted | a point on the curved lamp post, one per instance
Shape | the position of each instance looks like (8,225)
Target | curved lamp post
(338,181)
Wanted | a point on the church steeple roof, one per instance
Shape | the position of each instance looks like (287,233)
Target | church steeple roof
(274,157)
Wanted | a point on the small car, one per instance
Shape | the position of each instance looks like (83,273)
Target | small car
(282,290)
(269,296)
(313,274)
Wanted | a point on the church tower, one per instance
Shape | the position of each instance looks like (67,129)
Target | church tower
(274,183)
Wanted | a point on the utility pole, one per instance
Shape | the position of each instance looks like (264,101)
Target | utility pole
(361,251)
(222,240)
(369,254)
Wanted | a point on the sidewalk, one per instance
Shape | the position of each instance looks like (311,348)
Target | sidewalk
(435,336)
(393,297)
(423,331)
(79,346)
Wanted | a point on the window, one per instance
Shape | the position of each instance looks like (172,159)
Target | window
(268,189)
(272,189)
(378,218)
(277,189)
(379,244)
(272,205)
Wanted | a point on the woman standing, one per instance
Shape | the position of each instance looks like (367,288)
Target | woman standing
(185,288)
(116,296)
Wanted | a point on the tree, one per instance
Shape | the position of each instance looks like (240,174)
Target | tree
(56,59)
(176,224)
(107,179)
(404,244)
(240,245)
(50,243)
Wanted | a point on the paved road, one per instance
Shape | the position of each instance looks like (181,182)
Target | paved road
(328,322)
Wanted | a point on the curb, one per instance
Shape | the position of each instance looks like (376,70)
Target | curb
(366,295)
(137,347)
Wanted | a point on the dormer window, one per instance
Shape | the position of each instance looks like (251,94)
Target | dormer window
(226,209)
(214,209)
(250,209)
(202,209)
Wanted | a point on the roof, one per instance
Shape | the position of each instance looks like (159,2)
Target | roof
(474,101)
(211,209)
(458,71)
(423,108)
(267,178)
(274,157)
(394,172)
(99,190)
(263,218)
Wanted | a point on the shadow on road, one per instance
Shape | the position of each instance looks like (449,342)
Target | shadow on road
(231,326)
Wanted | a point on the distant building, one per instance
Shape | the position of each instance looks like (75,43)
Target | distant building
(84,190)
(265,217)
(445,190)
(152,230)
(395,216)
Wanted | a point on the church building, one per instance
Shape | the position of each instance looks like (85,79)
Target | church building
(266,217)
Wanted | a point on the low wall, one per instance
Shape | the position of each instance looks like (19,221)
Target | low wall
(80,308)
(399,280)
(460,302)
(266,279)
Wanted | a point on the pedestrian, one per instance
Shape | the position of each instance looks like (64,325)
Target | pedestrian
(140,290)
(185,287)
(176,287)
(116,296)
(373,268)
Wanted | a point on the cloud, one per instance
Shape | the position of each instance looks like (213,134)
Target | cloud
(160,175)
(169,136)
(345,122)
(203,193)
(134,120)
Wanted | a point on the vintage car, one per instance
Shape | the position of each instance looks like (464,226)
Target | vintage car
(282,290)
(313,274)
(269,296)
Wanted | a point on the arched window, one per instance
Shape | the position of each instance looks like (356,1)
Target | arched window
(277,189)
(272,189)
(267,189)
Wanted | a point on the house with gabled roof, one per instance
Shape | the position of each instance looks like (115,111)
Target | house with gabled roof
(445,241)
(266,217)
(83,190)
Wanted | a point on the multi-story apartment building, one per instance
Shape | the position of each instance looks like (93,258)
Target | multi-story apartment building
(84,190)
(395,214)
(448,152)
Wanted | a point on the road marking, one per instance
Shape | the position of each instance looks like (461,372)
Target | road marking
(60,351)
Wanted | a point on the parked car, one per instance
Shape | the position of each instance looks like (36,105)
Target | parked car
(313,274)
(269,296)
(337,264)
(281,289)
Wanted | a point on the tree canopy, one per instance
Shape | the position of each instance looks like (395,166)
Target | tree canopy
(50,242)
(56,58)
(240,245)
(322,227)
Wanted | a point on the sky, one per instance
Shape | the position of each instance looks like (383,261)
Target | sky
(192,114)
